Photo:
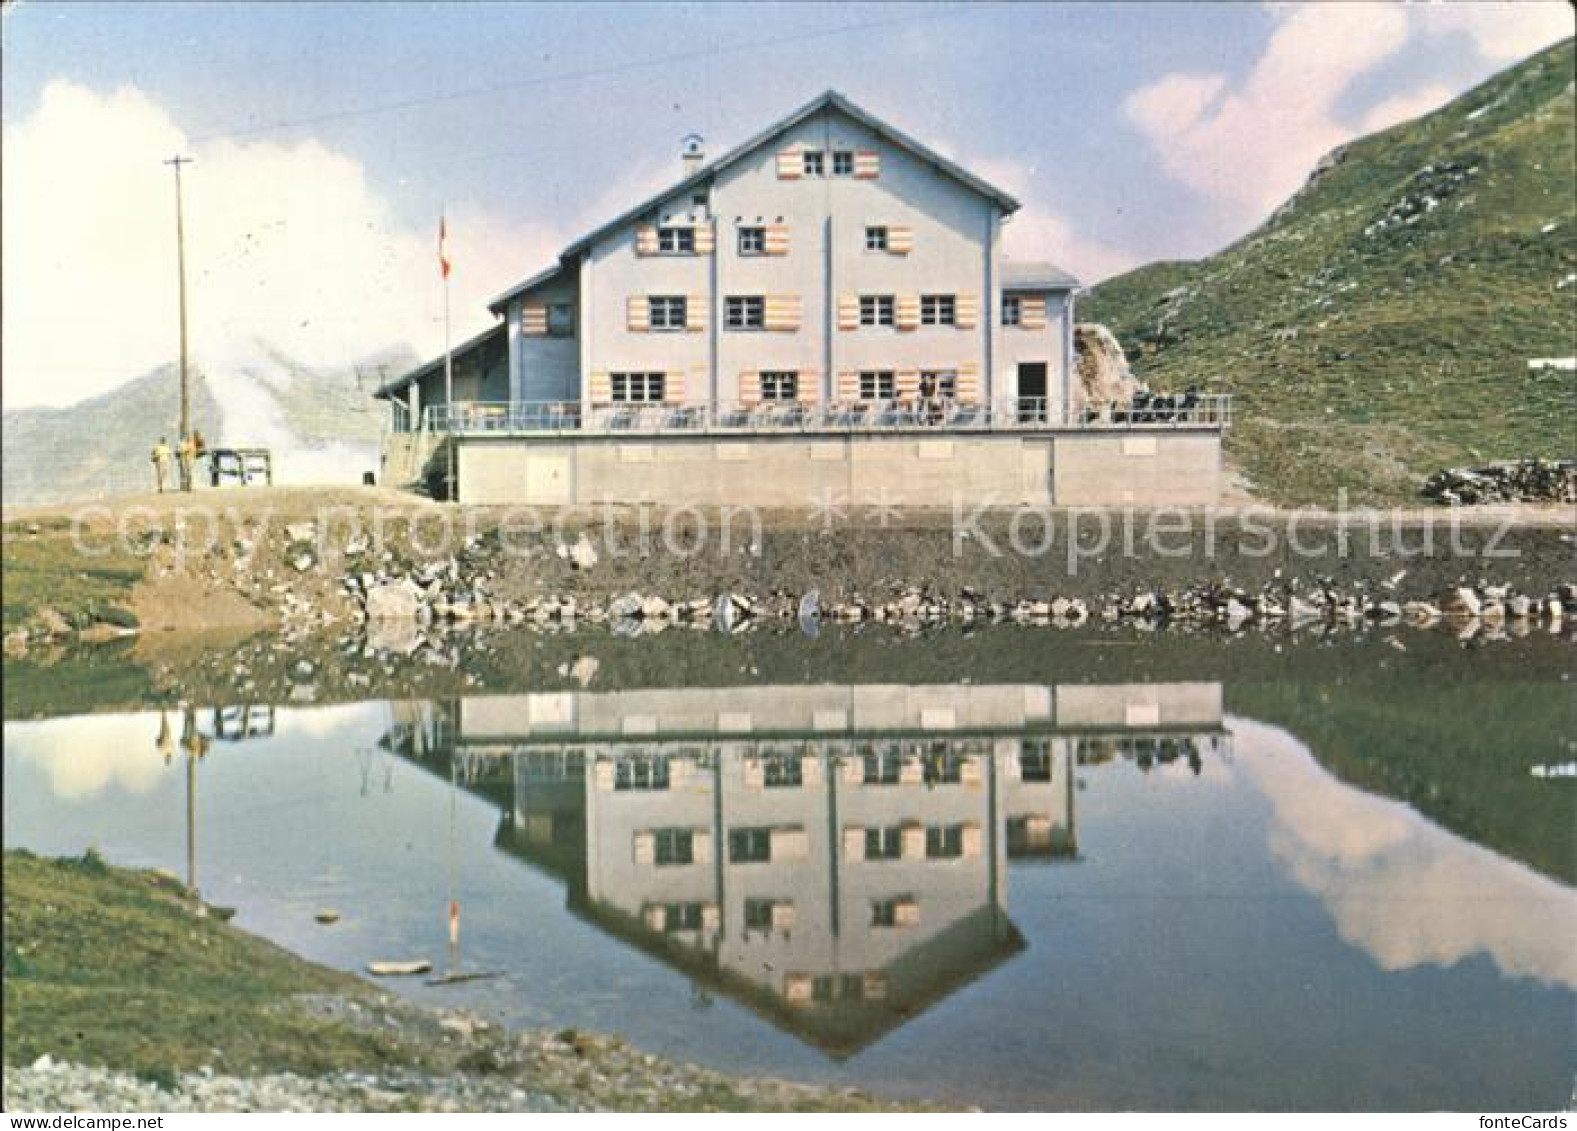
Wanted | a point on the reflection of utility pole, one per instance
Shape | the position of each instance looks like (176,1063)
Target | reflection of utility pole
(185,458)
(195,745)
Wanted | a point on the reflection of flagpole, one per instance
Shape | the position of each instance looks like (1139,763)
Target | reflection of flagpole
(454,903)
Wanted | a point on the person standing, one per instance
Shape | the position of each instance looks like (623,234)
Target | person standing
(161,463)
(187,454)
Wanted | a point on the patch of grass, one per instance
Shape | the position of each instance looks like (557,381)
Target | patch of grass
(1378,327)
(113,967)
(46,570)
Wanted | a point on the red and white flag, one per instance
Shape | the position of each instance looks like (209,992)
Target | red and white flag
(443,246)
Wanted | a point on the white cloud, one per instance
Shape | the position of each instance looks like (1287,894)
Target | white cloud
(1248,145)
(1405,107)
(1503,32)
(286,244)
(82,758)
(1251,144)
(1402,889)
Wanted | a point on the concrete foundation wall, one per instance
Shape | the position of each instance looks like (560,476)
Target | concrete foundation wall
(1097,469)
(797,470)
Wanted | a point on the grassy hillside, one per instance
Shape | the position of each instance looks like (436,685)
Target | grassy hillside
(1380,324)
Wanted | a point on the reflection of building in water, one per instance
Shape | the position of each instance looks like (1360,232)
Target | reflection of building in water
(833,856)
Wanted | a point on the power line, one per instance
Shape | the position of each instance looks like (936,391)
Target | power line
(578,76)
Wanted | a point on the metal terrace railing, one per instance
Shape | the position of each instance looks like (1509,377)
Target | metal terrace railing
(1146,413)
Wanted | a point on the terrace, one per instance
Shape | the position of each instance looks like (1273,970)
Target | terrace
(1145,412)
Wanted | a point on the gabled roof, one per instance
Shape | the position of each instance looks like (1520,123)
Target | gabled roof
(1036,276)
(479,341)
(546,275)
(830,100)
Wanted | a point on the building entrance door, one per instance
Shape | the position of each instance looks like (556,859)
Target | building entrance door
(1032,392)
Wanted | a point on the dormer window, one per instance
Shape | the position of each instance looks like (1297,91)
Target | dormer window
(815,162)
(676,240)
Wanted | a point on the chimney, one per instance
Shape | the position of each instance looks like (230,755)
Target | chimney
(692,152)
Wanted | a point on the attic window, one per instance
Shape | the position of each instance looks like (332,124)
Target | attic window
(676,240)
(843,163)
(815,162)
(1012,310)
(561,319)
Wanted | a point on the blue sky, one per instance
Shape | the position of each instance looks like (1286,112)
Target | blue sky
(1132,132)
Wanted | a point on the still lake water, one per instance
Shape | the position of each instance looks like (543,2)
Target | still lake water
(1133,890)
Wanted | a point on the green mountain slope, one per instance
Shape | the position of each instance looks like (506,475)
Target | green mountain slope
(1379,325)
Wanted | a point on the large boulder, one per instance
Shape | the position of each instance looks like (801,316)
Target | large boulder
(1104,376)
(394,600)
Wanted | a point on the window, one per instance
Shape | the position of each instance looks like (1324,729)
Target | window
(752,241)
(836,987)
(668,312)
(875,239)
(561,319)
(944,842)
(884,912)
(779,386)
(884,844)
(877,385)
(758,914)
(937,310)
(815,162)
(749,846)
(675,846)
(682,917)
(876,310)
(640,771)
(745,312)
(636,388)
(1012,310)
(676,241)
(783,771)
(939,384)
(843,163)
(1034,762)
(882,768)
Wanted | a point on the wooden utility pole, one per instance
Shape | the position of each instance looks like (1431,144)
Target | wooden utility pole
(184,458)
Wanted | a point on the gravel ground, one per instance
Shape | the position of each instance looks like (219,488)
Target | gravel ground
(482,1068)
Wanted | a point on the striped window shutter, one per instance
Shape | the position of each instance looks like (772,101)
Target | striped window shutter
(755,773)
(848,312)
(646,848)
(867,164)
(809,392)
(646,239)
(673,388)
(873,986)
(849,390)
(637,313)
(900,239)
(601,393)
(969,771)
(966,311)
(533,319)
(853,842)
(906,913)
(971,839)
(776,239)
(911,842)
(912,772)
(656,917)
(908,312)
(705,239)
(701,846)
(1032,313)
(782,916)
(810,764)
(695,312)
(602,774)
(906,383)
(750,388)
(969,383)
(711,917)
(790,165)
(782,312)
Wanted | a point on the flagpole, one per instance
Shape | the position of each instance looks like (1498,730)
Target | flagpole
(443,228)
